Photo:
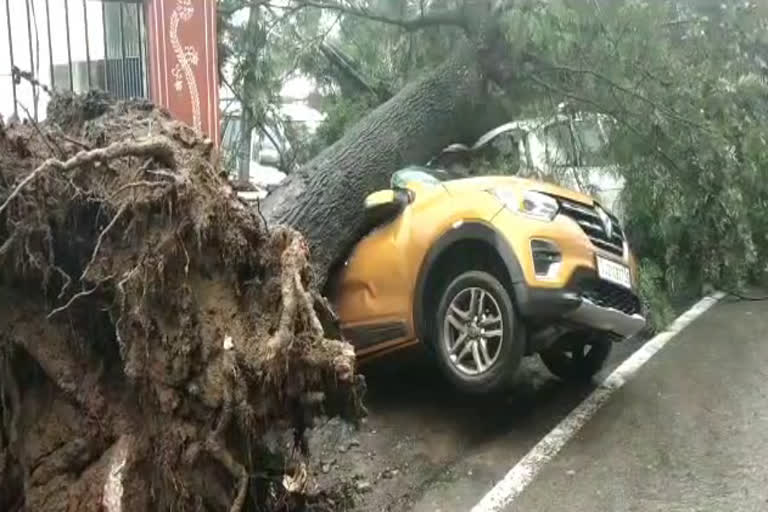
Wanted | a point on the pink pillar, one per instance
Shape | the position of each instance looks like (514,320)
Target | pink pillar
(181,42)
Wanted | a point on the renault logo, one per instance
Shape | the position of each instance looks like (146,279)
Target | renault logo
(606,220)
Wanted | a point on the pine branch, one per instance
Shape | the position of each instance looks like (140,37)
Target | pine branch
(452,17)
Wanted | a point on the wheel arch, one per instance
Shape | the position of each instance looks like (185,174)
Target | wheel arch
(484,243)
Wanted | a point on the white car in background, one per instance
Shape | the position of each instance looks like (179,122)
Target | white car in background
(568,150)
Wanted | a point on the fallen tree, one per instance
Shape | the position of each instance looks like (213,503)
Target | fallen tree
(152,328)
(685,82)
(418,122)
(450,103)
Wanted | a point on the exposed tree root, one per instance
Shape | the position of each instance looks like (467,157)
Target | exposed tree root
(158,148)
(100,239)
(296,300)
(78,295)
(139,299)
(226,459)
(7,244)
(12,407)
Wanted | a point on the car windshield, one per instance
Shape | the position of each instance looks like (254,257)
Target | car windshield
(581,143)
(591,143)
(559,147)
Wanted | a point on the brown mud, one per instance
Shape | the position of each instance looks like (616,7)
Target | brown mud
(153,330)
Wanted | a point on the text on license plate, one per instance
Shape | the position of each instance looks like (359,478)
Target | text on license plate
(613,272)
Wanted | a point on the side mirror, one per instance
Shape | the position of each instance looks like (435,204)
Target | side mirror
(384,206)
(397,197)
(380,198)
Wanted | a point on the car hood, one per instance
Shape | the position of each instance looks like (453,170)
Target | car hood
(488,182)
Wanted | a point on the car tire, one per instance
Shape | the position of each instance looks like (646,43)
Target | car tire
(577,356)
(490,353)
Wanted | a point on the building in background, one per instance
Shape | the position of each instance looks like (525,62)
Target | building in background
(121,66)
(125,47)
(71,45)
(164,50)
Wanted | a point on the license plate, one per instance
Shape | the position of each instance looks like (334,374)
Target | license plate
(613,272)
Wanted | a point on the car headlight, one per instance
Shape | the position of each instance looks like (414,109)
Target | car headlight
(529,203)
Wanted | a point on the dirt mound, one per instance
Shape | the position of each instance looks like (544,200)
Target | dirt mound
(152,328)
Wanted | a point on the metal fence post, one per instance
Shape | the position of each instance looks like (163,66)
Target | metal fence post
(124,92)
(69,47)
(13,65)
(87,44)
(31,60)
(50,44)
(141,53)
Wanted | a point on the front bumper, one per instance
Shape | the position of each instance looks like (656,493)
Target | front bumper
(606,319)
(570,306)
(572,292)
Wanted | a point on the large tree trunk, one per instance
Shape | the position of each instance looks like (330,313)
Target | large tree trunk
(324,198)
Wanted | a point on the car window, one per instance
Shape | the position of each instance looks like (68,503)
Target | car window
(592,143)
(558,145)
(501,156)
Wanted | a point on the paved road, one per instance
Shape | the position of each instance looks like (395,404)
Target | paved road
(424,448)
(688,433)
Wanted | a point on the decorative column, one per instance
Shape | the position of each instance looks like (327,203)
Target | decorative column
(183,66)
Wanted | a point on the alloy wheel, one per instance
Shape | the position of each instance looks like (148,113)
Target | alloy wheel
(473,331)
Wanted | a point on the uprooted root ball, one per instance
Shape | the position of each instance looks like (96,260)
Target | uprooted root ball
(152,329)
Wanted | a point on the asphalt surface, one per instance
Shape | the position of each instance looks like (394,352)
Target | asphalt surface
(688,433)
(425,448)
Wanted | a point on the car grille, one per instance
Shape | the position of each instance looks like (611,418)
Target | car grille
(589,221)
(608,295)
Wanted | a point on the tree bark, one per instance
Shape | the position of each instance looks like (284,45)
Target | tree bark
(324,198)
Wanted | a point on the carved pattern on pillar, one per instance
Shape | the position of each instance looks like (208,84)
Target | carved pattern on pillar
(186,57)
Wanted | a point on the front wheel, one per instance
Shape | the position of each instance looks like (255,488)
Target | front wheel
(479,341)
(577,356)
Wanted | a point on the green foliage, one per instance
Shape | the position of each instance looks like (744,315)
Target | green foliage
(386,56)
(341,112)
(391,54)
(260,47)
(687,85)
(685,80)
(655,298)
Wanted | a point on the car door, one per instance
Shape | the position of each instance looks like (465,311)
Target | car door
(374,289)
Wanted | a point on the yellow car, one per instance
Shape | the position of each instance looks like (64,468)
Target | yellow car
(485,270)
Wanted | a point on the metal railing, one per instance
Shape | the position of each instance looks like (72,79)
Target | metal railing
(84,44)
